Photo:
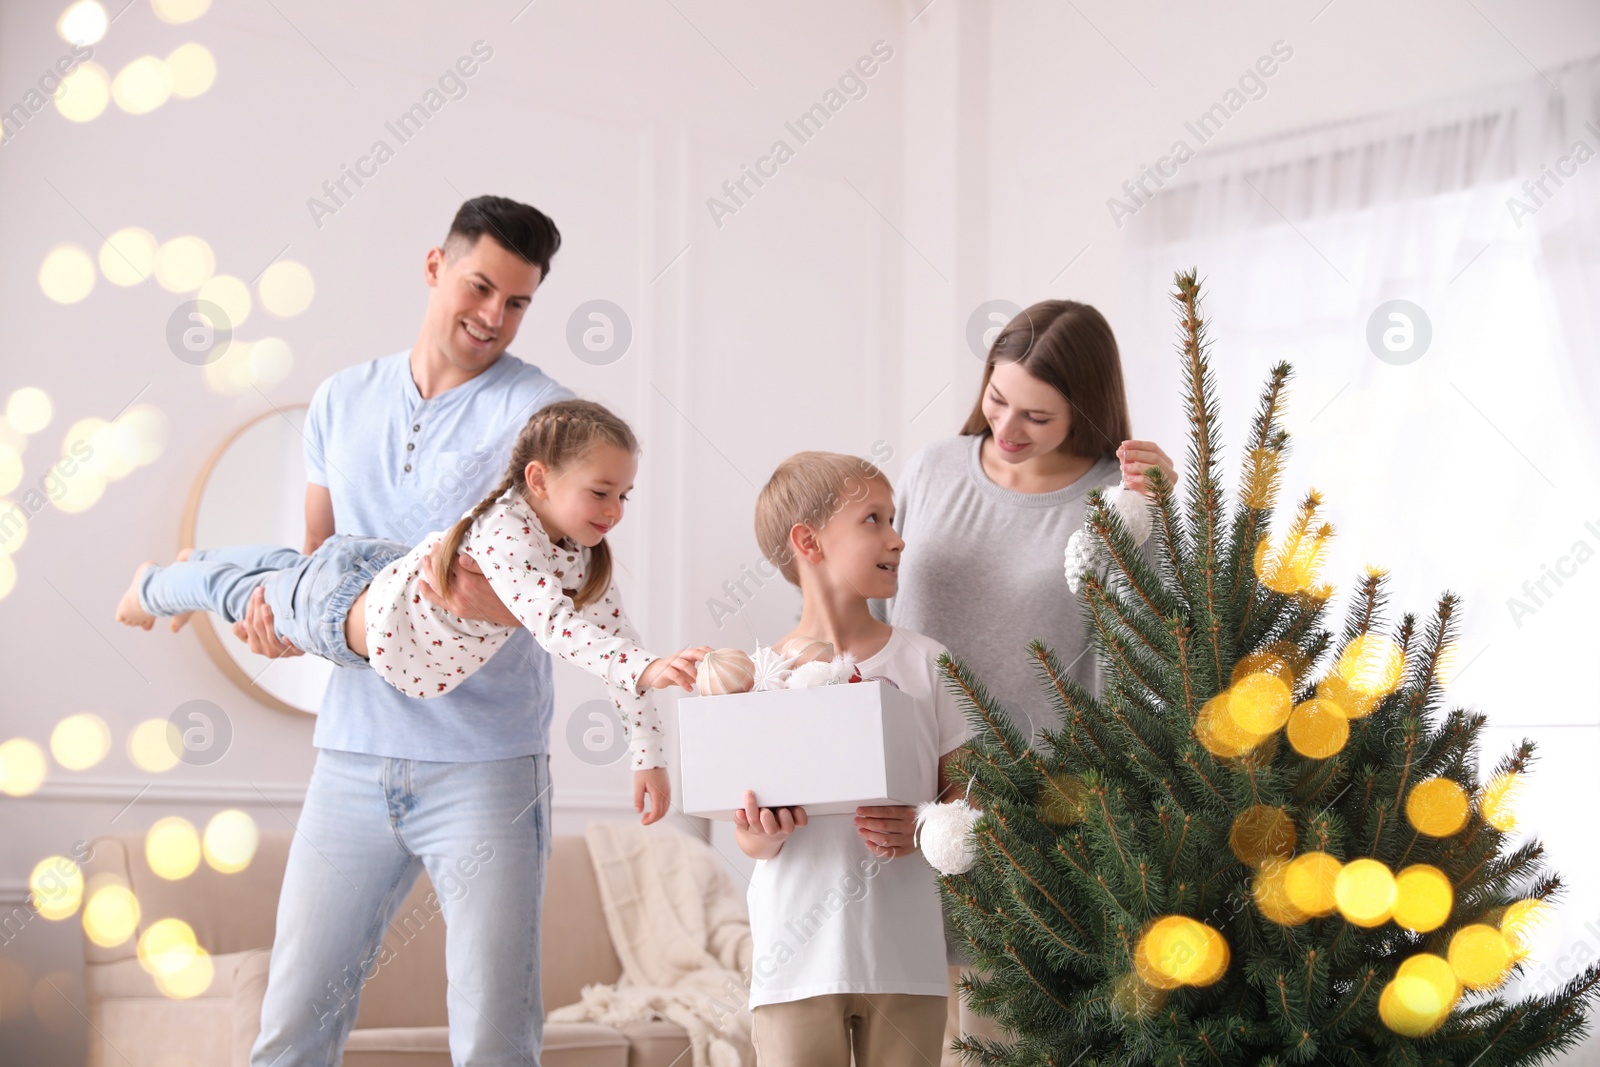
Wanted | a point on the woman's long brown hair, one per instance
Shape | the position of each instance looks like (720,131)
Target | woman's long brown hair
(557,436)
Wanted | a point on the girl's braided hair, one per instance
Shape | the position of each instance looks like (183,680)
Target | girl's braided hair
(557,435)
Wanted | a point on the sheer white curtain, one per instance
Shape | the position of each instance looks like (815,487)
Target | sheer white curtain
(1472,468)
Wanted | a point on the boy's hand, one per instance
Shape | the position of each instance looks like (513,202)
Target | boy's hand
(652,781)
(676,669)
(888,831)
(761,832)
(471,595)
(1136,457)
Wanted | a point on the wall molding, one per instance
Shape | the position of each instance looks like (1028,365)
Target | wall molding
(127,791)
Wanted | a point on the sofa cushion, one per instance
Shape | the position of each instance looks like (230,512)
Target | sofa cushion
(565,1045)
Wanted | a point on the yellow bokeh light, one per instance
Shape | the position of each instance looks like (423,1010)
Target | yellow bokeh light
(10,468)
(22,767)
(1063,799)
(229,374)
(270,361)
(229,294)
(8,576)
(1176,950)
(1480,956)
(172,848)
(84,22)
(1318,729)
(111,915)
(1217,731)
(141,86)
(1371,664)
(1436,971)
(67,274)
(179,10)
(1281,659)
(128,256)
(1293,566)
(286,288)
(56,885)
(13,527)
(1350,702)
(1437,807)
(1412,1007)
(1308,883)
(1497,801)
(1422,898)
(183,264)
(167,946)
(80,741)
(1261,471)
(1259,703)
(1133,998)
(84,93)
(153,746)
(191,69)
(191,981)
(28,410)
(1364,892)
(1261,833)
(1522,923)
(79,492)
(230,841)
(1270,890)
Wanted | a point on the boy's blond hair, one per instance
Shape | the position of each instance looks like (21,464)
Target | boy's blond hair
(808,489)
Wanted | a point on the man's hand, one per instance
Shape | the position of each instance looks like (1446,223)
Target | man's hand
(1137,457)
(256,629)
(654,782)
(676,669)
(471,595)
(888,831)
(761,832)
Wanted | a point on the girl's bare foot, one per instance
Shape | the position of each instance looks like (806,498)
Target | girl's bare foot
(129,612)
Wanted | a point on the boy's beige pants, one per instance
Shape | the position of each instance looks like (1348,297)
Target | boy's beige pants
(881,1029)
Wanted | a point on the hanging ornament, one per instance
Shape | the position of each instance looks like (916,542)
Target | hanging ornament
(944,832)
(725,670)
(768,670)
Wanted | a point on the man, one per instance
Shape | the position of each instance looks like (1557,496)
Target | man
(459,784)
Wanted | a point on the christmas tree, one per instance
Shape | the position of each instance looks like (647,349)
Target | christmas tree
(1262,843)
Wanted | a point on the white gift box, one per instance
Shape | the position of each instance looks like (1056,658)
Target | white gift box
(829,749)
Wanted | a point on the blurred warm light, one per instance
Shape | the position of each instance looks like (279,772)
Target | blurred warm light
(1262,469)
(167,946)
(1292,567)
(179,10)
(1270,890)
(1422,898)
(191,69)
(1308,883)
(111,914)
(1176,950)
(1259,703)
(172,848)
(56,888)
(1371,664)
(22,767)
(141,86)
(29,410)
(153,746)
(84,22)
(136,439)
(1318,729)
(10,468)
(1261,833)
(229,374)
(84,92)
(1218,731)
(1365,891)
(1281,659)
(270,361)
(80,492)
(1353,703)
(1523,922)
(1063,799)
(286,288)
(67,274)
(8,576)
(1480,956)
(1437,807)
(230,841)
(13,527)
(1132,998)
(229,294)
(80,741)
(12,436)
(1497,801)
(194,979)
(128,256)
(1411,1006)
(183,264)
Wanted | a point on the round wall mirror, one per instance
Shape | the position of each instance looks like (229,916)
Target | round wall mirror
(253,491)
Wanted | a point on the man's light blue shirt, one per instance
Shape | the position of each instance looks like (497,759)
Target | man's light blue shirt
(398,466)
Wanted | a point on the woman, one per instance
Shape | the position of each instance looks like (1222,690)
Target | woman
(986,514)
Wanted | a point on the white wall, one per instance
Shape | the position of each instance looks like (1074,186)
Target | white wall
(826,313)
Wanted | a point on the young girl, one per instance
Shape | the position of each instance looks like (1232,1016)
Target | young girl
(538,538)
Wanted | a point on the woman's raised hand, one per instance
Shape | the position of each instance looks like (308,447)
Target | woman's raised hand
(1137,457)
(676,669)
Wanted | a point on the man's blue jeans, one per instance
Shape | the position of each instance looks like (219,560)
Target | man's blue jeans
(368,826)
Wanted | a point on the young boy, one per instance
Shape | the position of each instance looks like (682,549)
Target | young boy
(849,945)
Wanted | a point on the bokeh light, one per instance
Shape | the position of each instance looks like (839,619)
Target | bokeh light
(270,361)
(1371,664)
(1412,1006)
(10,468)
(172,848)
(1218,732)
(1364,892)
(142,86)
(22,767)
(1270,890)
(1176,950)
(1261,833)
(84,22)
(80,741)
(1259,703)
(1523,923)
(1063,799)
(1133,998)
(167,946)
(183,264)
(230,841)
(56,888)
(193,980)
(1437,807)
(1497,801)
(229,294)
(67,274)
(128,256)
(179,10)
(111,914)
(13,527)
(84,93)
(1308,883)
(1422,898)
(191,69)
(29,410)
(1281,659)
(1480,956)
(154,745)
(1318,729)
(286,288)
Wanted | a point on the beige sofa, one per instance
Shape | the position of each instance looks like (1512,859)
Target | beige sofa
(402,1020)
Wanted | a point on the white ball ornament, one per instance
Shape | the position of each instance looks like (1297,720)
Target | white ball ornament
(725,670)
(945,833)
(1134,509)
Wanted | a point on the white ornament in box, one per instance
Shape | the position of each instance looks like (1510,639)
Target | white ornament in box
(827,748)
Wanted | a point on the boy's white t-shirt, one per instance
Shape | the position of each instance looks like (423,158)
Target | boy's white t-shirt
(826,915)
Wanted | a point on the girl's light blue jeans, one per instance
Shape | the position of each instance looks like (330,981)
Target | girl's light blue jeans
(309,595)
(368,826)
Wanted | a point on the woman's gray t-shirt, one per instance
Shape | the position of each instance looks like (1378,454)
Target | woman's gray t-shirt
(983,573)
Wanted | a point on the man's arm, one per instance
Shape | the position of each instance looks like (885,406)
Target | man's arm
(319,516)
